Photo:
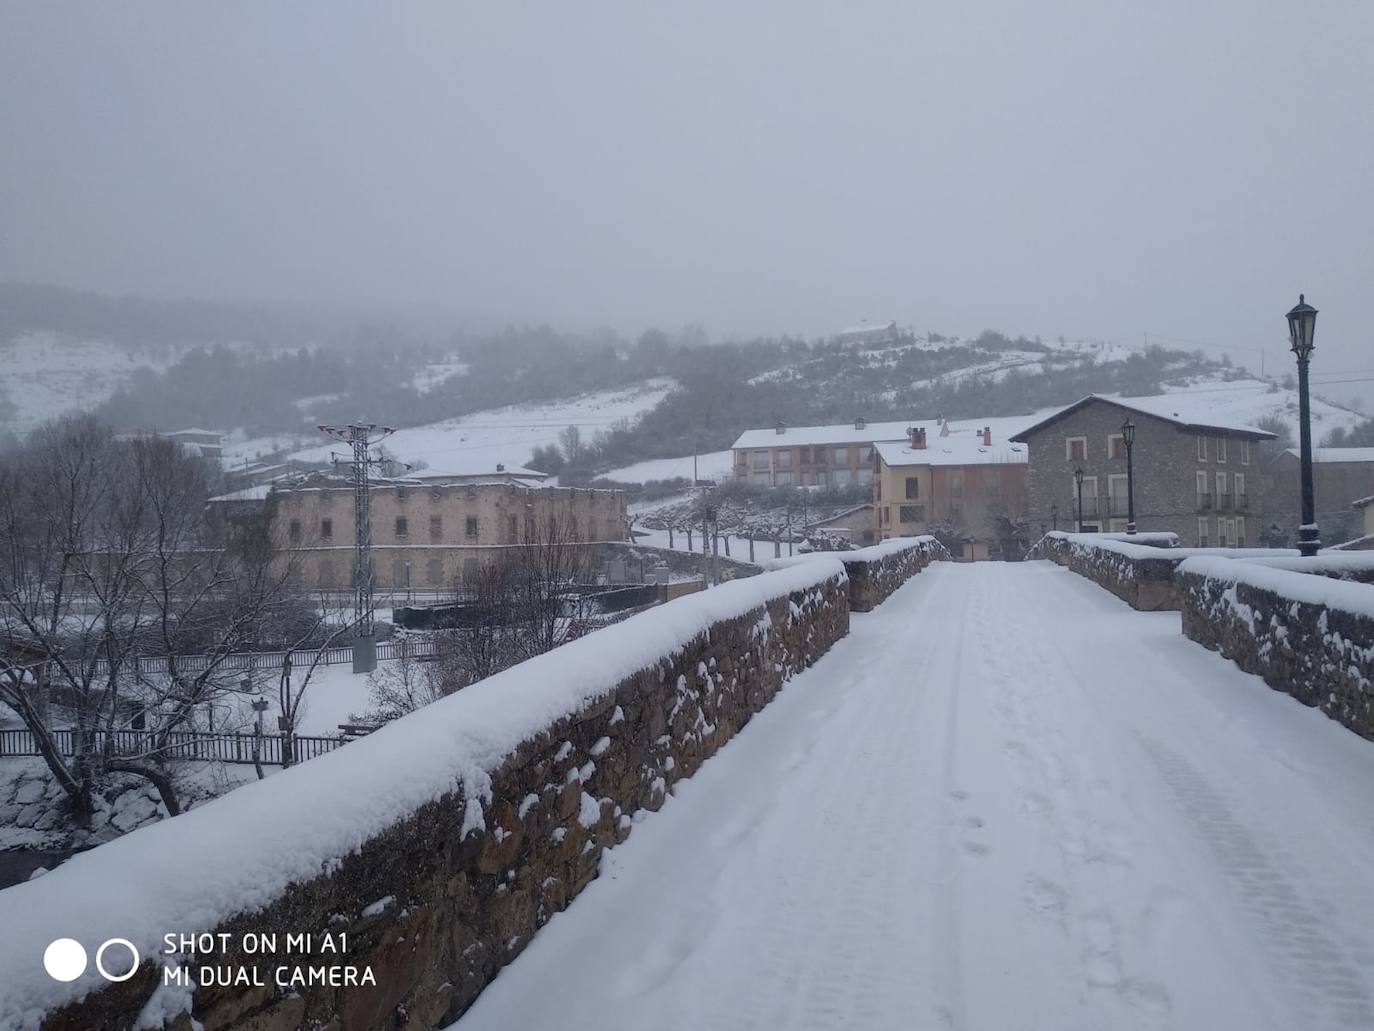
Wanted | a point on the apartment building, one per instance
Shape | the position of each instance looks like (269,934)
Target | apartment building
(962,484)
(1341,476)
(429,535)
(812,455)
(1197,477)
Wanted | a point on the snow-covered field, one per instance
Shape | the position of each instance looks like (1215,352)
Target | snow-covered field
(47,374)
(1246,401)
(1066,815)
(477,442)
(713,465)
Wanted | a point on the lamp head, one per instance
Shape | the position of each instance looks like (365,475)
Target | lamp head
(1128,432)
(1302,326)
(1078,476)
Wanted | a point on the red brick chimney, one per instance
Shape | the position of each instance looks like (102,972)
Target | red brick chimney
(987,436)
(918,438)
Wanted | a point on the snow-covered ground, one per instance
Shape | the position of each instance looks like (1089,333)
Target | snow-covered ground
(47,374)
(477,442)
(713,465)
(1005,801)
(1244,402)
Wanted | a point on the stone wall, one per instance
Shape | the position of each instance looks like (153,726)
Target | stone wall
(1306,636)
(438,901)
(874,573)
(1140,575)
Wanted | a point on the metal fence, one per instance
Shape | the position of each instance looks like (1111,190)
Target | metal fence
(246,661)
(188,745)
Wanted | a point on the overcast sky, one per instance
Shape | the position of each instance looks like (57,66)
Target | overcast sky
(1177,167)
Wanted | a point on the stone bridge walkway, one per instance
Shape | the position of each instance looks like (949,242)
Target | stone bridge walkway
(1006,801)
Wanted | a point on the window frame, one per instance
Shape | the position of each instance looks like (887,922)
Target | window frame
(402,528)
(472,526)
(1221,450)
(912,486)
(1245,451)
(1204,535)
(1069,442)
(1116,445)
(1202,447)
(327,528)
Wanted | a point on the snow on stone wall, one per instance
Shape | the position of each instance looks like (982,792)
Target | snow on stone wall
(878,570)
(1310,636)
(480,816)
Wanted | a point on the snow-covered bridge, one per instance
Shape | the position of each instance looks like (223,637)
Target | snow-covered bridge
(1006,800)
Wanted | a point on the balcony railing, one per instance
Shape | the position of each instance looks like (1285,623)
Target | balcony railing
(1242,502)
(1204,502)
(1117,506)
(1224,501)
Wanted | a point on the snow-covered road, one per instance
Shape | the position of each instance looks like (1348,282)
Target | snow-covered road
(1005,801)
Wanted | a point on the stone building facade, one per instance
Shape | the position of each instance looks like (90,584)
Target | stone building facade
(431,536)
(962,485)
(1202,481)
(1341,476)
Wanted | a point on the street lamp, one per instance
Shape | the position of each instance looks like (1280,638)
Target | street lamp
(1128,435)
(1078,482)
(1054,516)
(1302,324)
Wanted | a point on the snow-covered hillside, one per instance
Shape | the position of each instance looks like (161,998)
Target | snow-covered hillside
(48,374)
(477,442)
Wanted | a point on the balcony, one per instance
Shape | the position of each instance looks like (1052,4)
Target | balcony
(1117,507)
(1091,507)
(1242,502)
(1204,502)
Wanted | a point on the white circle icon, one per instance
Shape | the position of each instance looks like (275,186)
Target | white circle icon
(65,959)
(100,960)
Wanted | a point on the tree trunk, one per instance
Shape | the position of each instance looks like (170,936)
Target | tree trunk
(159,780)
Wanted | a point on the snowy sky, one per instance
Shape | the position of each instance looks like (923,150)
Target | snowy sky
(1084,168)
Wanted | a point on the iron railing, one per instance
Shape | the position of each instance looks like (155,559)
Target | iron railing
(186,745)
(248,661)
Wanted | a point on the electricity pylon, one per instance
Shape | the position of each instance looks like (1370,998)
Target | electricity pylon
(360,436)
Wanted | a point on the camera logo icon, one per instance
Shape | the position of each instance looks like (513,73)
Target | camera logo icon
(65,959)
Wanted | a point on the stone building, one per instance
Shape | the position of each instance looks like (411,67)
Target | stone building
(425,535)
(1198,478)
(1340,477)
(962,485)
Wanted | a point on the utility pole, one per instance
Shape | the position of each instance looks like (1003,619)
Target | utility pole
(360,436)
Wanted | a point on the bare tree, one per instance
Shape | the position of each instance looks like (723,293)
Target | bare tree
(112,575)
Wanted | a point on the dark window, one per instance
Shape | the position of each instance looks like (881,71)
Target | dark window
(293,531)
(913,487)
(436,528)
(512,529)
(402,527)
(326,529)
(912,514)
(434,572)
(470,526)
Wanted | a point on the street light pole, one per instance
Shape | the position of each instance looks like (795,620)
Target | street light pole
(1302,324)
(1078,482)
(1128,435)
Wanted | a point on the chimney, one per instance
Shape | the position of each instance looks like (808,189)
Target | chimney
(859,423)
(944,426)
(987,436)
(781,428)
(918,438)
(500,468)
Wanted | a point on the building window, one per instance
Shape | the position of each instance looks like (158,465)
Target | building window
(326,529)
(1244,452)
(956,484)
(1222,535)
(1223,496)
(293,531)
(436,528)
(402,527)
(512,529)
(1242,499)
(783,477)
(912,513)
(400,573)
(1076,449)
(1240,531)
(1116,494)
(1202,537)
(470,526)
(866,475)
(785,458)
(401,494)
(842,456)
(1201,449)
(992,484)
(913,487)
(326,573)
(1204,493)
(866,454)
(761,464)
(434,572)
(1116,445)
(470,570)
(1221,449)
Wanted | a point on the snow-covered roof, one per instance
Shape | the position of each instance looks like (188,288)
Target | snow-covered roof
(1180,409)
(258,493)
(1336,454)
(883,327)
(1363,502)
(845,433)
(962,448)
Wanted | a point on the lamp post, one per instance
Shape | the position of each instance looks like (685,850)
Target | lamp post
(1128,436)
(1054,516)
(1078,483)
(1302,324)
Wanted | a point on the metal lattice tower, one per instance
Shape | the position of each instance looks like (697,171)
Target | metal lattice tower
(360,436)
